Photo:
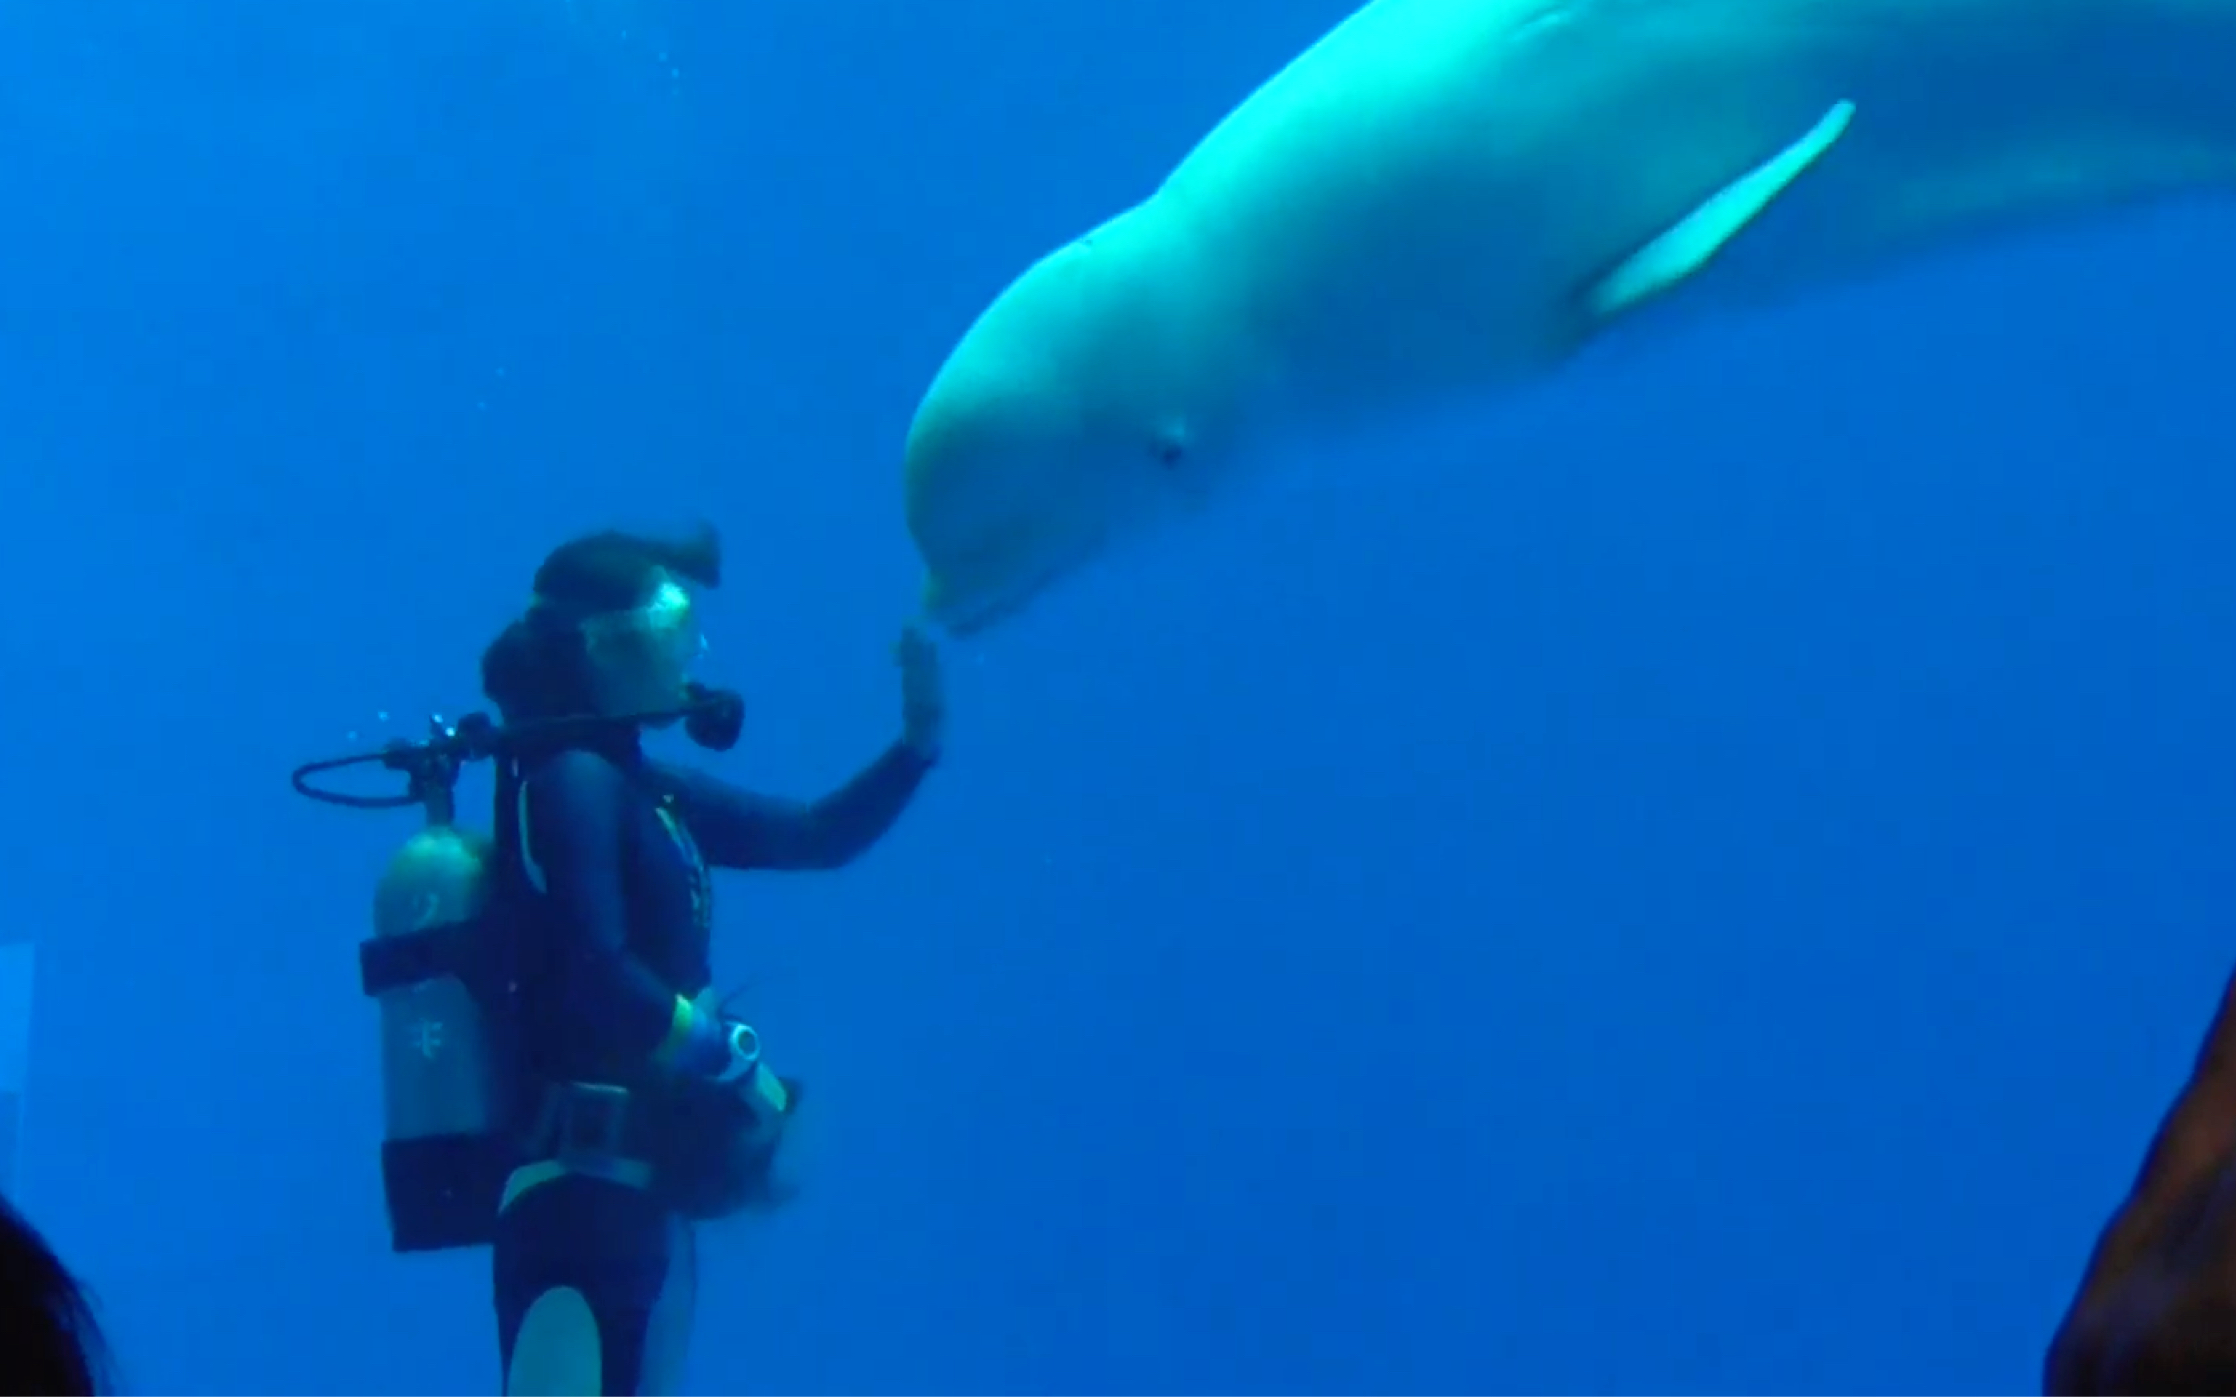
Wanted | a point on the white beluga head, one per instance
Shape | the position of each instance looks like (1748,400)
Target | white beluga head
(1097,394)
(1443,200)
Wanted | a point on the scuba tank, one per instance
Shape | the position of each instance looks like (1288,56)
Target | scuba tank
(437,1080)
(442,1156)
(438,964)
(431,965)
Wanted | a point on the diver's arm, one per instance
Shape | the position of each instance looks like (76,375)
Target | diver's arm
(573,833)
(738,828)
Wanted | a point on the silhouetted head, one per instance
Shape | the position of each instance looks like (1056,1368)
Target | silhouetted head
(1091,397)
(612,629)
(50,1342)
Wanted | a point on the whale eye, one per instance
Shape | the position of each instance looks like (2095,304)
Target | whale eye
(1170,447)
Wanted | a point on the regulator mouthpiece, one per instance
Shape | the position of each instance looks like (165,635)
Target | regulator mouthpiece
(717,717)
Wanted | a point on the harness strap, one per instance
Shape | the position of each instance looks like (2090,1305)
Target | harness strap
(586,1128)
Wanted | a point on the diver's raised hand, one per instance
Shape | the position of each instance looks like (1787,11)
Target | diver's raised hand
(923,692)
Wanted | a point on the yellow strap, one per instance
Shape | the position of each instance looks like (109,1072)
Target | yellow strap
(679,1033)
(631,1173)
(770,1088)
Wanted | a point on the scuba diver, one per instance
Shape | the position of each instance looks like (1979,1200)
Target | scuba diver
(2156,1309)
(562,1085)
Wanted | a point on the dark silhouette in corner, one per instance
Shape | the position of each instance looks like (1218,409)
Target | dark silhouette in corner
(50,1342)
(2156,1310)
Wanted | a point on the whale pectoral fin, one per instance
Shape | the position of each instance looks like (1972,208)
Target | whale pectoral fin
(1687,247)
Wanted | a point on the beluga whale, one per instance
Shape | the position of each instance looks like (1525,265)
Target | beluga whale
(1442,200)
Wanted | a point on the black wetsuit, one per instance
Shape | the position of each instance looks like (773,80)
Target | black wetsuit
(615,926)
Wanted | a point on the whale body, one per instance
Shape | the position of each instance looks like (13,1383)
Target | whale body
(1443,199)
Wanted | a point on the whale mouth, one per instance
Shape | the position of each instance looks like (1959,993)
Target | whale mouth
(965,622)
